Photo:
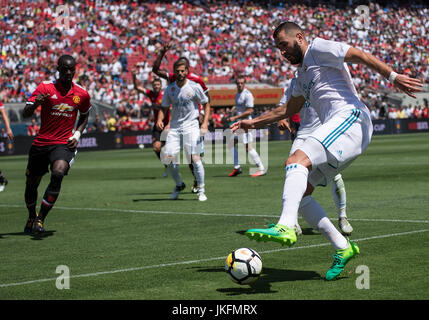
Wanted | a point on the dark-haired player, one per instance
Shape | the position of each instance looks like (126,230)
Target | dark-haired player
(171,77)
(323,79)
(55,145)
(155,96)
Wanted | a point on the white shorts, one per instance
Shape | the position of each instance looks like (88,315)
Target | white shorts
(340,141)
(188,137)
(297,144)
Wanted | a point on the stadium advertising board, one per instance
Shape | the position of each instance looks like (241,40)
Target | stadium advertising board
(226,97)
(134,139)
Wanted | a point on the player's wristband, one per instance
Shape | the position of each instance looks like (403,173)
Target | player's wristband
(76,135)
(392,77)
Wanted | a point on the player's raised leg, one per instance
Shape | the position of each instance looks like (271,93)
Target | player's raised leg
(293,191)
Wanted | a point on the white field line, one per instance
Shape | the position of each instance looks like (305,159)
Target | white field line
(95,274)
(206,213)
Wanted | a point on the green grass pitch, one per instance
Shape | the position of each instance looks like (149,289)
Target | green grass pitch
(121,237)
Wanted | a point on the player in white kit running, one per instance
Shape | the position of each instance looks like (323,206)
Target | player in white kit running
(184,95)
(310,122)
(244,104)
(322,79)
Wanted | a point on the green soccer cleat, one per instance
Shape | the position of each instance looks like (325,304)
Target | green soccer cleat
(341,257)
(274,232)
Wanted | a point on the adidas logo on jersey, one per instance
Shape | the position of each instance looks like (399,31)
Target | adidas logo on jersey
(54,96)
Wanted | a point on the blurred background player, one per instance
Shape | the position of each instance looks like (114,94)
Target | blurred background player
(155,96)
(309,121)
(185,96)
(55,145)
(9,134)
(244,104)
(170,77)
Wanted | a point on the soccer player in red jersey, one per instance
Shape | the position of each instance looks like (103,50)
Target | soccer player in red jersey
(171,78)
(155,97)
(55,145)
(9,133)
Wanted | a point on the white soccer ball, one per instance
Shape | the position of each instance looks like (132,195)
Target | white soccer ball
(243,265)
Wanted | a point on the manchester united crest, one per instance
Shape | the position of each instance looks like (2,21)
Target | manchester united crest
(76,99)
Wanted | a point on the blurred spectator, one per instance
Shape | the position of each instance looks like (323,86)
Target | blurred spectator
(33,128)
(98,125)
(220,38)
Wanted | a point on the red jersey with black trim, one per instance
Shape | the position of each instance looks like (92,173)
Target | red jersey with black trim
(193,77)
(59,111)
(156,99)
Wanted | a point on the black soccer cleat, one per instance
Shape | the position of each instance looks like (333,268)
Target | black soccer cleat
(38,226)
(29,225)
(3,183)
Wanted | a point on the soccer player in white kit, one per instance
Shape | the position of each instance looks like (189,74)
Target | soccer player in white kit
(310,122)
(184,95)
(244,104)
(323,79)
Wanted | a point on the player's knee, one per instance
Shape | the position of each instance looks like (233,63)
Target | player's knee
(56,179)
(195,158)
(299,157)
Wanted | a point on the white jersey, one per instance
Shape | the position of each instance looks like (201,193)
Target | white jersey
(325,81)
(243,100)
(184,101)
(309,118)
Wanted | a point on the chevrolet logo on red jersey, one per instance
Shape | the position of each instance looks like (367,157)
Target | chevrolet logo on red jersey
(63,107)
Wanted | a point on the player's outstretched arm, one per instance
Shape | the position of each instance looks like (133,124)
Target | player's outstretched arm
(292,106)
(157,64)
(401,81)
(9,132)
(136,86)
(245,114)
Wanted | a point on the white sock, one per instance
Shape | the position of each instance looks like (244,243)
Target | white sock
(316,217)
(199,173)
(173,170)
(234,155)
(256,159)
(293,190)
(339,194)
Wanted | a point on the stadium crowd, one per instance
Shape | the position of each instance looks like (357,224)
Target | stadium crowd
(221,40)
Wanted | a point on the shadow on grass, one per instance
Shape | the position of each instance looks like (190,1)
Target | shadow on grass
(34,236)
(263,284)
(305,231)
(163,199)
